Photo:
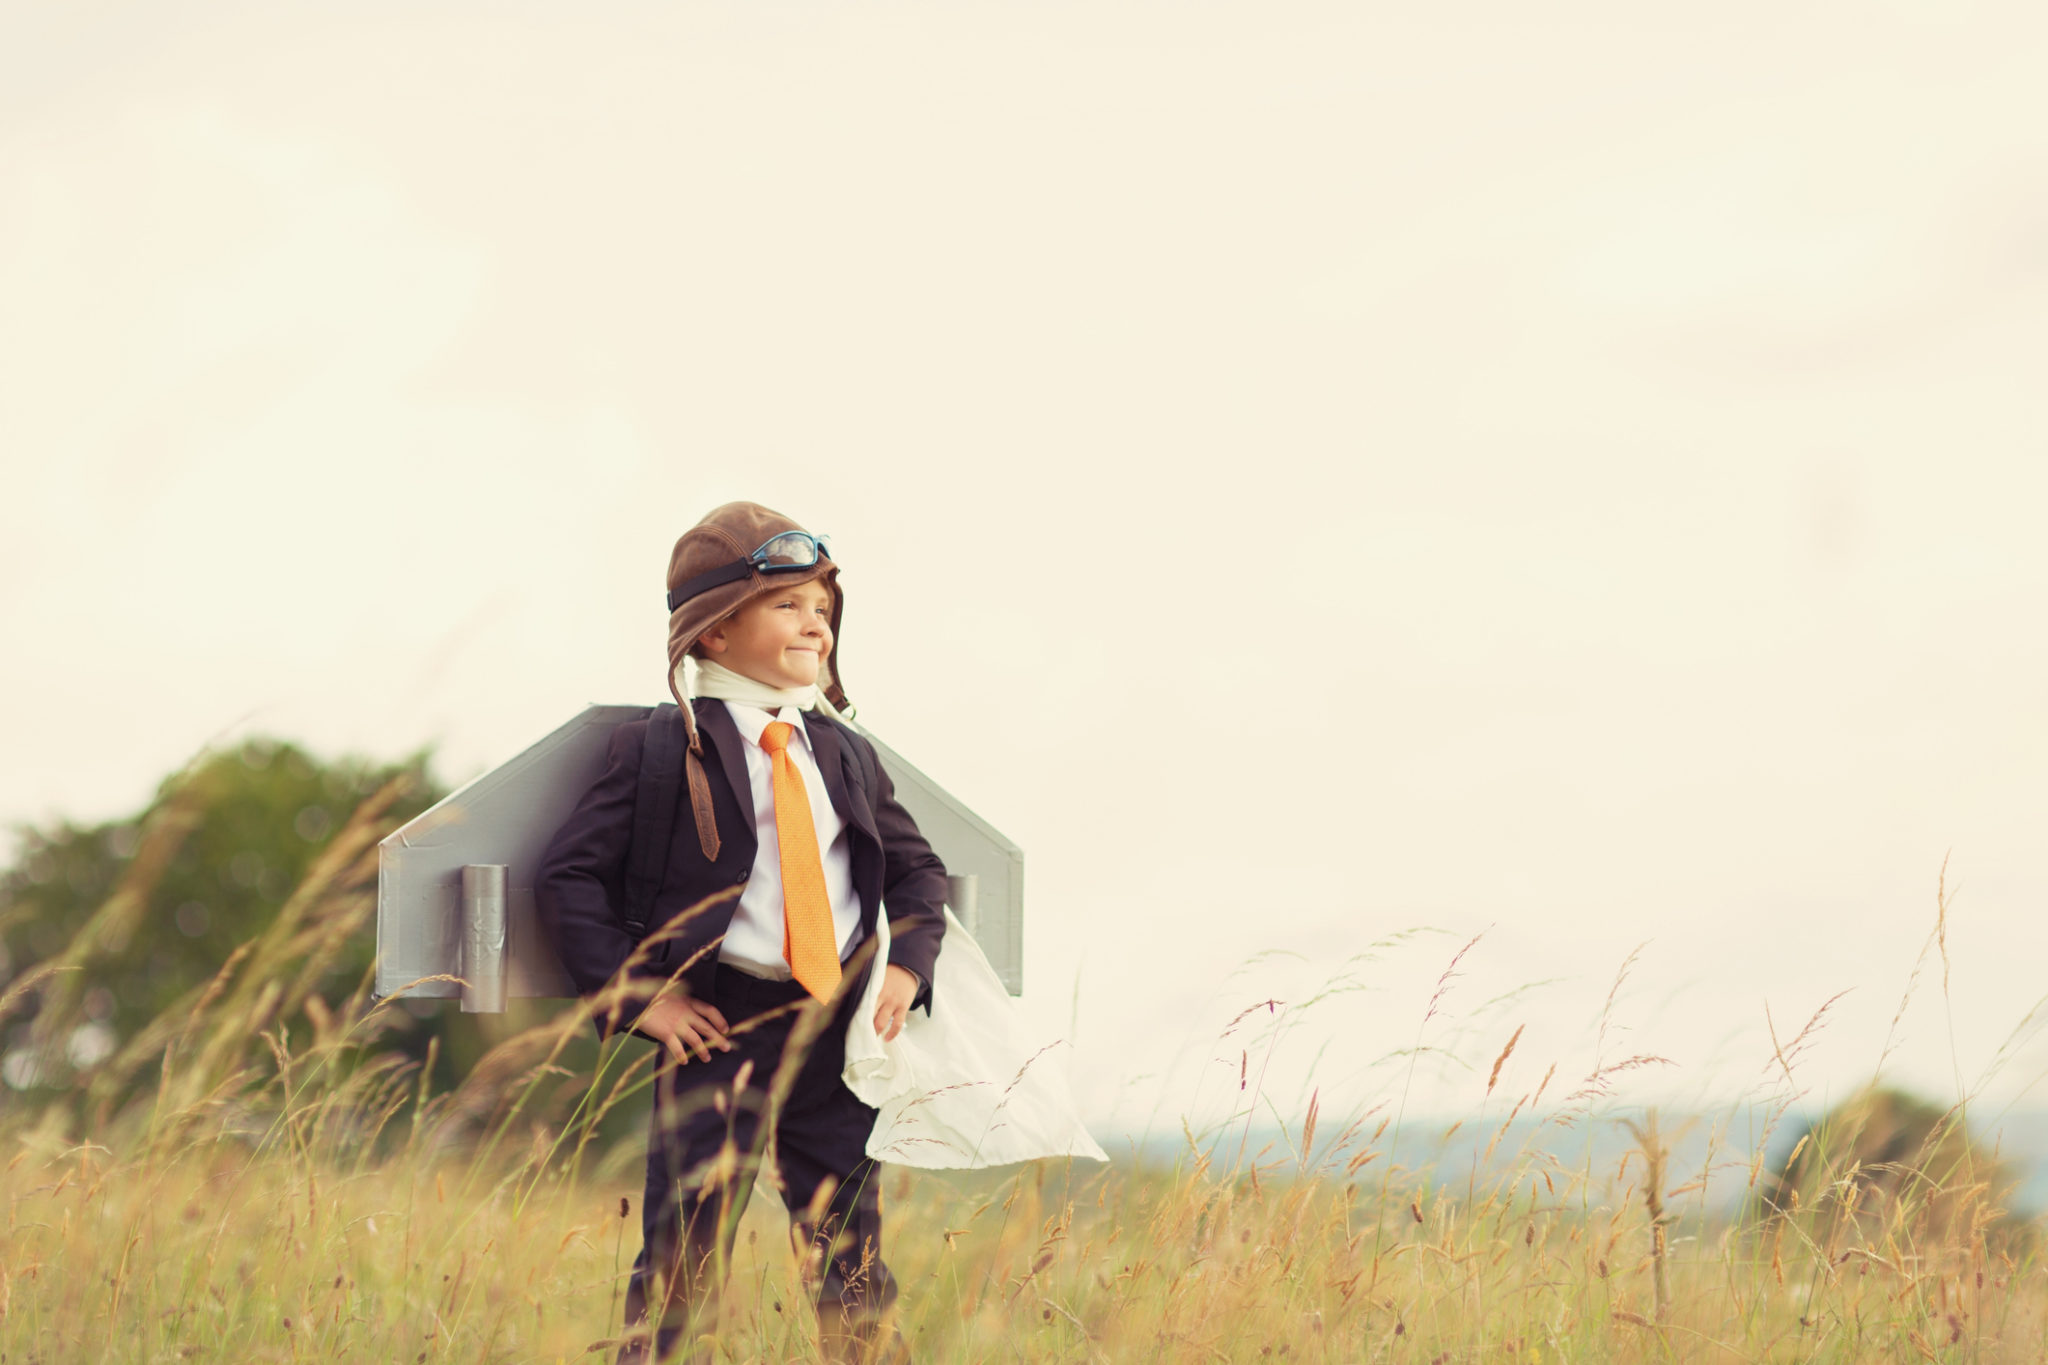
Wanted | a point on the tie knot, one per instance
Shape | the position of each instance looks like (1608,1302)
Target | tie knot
(777,736)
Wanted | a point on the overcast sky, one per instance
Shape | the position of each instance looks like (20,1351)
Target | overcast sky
(1575,472)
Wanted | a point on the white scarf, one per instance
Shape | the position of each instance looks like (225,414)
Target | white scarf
(714,679)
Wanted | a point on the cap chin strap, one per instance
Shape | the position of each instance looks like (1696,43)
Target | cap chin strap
(701,806)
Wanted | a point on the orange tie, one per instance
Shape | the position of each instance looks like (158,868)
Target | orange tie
(810,945)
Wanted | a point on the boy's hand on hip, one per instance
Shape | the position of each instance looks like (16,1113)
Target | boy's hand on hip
(899,988)
(685,1026)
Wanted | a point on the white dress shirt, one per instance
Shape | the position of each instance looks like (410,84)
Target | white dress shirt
(753,943)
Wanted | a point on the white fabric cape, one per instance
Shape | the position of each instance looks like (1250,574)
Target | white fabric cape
(964,1087)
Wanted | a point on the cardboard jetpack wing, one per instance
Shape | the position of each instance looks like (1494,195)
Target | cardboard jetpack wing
(455,914)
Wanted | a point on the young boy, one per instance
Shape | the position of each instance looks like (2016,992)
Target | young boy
(791,843)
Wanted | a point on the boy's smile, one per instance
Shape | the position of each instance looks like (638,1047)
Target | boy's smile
(780,638)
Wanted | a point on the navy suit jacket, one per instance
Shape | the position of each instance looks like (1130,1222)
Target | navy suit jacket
(580,886)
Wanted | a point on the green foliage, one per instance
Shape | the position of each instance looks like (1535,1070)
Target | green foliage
(135,930)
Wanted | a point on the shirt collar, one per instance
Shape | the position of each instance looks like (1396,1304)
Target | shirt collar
(750,721)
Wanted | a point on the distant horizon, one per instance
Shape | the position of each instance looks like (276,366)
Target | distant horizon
(1604,1140)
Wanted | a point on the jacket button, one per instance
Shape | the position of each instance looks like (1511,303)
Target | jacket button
(740,880)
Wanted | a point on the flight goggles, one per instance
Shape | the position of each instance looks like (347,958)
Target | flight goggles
(785,553)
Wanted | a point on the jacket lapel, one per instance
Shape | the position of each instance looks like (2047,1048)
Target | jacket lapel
(716,724)
(831,752)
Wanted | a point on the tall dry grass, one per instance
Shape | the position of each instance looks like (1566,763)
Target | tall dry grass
(281,1188)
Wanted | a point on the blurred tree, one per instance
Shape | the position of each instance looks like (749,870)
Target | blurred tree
(244,826)
(109,933)
(1890,1164)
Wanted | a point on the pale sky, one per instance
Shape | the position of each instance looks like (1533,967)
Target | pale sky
(1301,472)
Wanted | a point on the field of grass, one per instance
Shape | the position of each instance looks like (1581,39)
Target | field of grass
(254,1179)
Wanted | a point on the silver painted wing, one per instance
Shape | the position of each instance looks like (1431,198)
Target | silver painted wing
(507,817)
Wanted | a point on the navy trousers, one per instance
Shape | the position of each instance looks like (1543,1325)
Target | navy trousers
(707,1122)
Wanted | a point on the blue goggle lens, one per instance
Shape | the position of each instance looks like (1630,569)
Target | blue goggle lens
(791,550)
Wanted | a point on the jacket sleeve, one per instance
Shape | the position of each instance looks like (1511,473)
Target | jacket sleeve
(913,886)
(582,875)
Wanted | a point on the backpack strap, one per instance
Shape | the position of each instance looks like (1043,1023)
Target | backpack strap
(654,814)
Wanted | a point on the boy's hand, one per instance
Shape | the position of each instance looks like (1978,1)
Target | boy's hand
(899,988)
(684,1026)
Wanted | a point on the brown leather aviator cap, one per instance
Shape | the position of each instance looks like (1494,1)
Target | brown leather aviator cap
(724,540)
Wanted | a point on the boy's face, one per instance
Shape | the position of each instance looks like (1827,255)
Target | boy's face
(780,638)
